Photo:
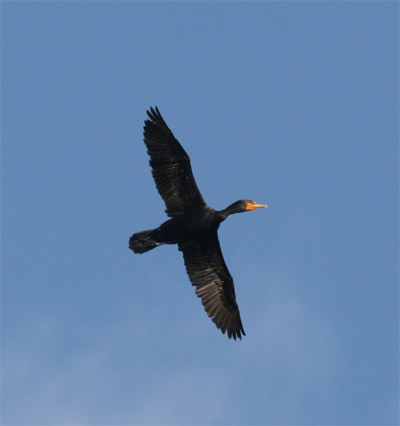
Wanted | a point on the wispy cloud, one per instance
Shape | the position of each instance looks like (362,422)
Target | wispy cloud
(130,372)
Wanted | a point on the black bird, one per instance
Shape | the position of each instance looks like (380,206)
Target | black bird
(193,225)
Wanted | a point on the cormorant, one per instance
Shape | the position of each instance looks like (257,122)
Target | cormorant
(193,225)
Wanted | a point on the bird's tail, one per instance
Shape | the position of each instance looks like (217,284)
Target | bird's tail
(143,241)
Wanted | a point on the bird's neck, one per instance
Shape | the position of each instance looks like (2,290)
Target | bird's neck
(232,209)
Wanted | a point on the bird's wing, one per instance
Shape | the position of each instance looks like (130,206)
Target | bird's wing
(171,168)
(208,272)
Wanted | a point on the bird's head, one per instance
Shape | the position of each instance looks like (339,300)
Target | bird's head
(242,206)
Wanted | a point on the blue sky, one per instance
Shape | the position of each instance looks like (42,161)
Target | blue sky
(294,104)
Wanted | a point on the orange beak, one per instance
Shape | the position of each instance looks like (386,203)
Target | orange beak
(253,206)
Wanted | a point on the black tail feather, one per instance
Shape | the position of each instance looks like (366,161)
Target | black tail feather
(143,241)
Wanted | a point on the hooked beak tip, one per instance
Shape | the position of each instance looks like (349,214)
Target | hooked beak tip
(253,205)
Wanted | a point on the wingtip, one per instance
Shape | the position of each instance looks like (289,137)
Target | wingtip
(235,334)
(238,334)
(153,113)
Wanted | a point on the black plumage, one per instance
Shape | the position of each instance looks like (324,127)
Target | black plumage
(193,225)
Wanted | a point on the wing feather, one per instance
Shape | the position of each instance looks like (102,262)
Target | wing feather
(208,272)
(171,167)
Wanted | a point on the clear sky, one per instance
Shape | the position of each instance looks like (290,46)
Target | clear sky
(294,104)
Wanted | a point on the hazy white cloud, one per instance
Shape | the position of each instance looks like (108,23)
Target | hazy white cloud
(42,385)
(162,361)
(116,376)
(294,348)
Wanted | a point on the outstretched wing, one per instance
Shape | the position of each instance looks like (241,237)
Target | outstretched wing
(171,168)
(208,272)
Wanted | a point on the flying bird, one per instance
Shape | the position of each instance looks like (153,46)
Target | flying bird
(193,225)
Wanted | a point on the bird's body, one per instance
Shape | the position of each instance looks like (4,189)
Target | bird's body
(193,225)
(188,226)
